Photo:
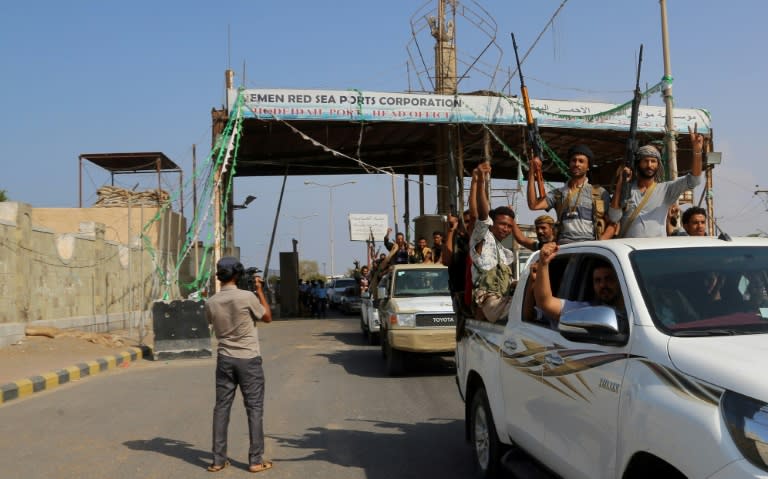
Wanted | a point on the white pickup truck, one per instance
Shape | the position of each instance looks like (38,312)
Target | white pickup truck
(369,319)
(675,385)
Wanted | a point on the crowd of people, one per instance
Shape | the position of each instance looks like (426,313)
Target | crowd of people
(479,265)
(313,298)
(481,277)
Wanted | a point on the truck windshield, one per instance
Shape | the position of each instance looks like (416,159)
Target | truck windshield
(705,291)
(421,282)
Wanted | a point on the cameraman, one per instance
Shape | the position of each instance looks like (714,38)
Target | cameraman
(233,312)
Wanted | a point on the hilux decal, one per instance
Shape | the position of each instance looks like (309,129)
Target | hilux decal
(684,385)
(609,385)
(561,368)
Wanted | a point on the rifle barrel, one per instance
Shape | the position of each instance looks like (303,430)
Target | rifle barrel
(632,139)
(533,131)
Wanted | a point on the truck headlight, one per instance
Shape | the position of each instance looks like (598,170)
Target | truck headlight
(403,319)
(747,421)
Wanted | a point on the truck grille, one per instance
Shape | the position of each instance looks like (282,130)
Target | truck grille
(446,319)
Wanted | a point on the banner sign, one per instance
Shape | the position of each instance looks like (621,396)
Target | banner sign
(357,105)
(361,226)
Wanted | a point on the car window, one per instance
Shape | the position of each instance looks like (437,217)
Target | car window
(556,272)
(705,291)
(342,284)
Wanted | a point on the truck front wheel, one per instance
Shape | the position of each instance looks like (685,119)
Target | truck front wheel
(485,441)
(395,361)
(383,342)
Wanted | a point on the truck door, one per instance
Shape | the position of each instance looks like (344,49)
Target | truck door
(562,396)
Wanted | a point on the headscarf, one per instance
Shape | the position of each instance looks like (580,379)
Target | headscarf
(544,219)
(647,151)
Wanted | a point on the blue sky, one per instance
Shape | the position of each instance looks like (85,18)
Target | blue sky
(94,76)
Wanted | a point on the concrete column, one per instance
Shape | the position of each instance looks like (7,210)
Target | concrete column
(98,276)
(23,265)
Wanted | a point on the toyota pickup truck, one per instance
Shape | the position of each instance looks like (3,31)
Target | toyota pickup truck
(673,385)
(415,313)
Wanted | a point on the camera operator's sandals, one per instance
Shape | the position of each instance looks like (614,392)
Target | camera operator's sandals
(217,467)
(260,467)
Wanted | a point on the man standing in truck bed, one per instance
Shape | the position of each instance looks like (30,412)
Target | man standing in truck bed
(580,207)
(644,215)
(491,275)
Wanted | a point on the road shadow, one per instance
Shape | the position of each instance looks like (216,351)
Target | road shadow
(351,338)
(175,448)
(359,362)
(435,448)
(369,363)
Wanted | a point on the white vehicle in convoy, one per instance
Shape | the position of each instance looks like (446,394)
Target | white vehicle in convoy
(673,385)
(416,313)
(336,289)
(369,318)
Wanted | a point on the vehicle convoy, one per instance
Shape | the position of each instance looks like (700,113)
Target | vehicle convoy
(672,384)
(416,313)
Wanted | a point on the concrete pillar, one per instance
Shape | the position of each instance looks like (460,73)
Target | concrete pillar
(98,279)
(23,265)
(289,284)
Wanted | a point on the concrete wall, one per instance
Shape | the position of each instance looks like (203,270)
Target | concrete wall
(80,268)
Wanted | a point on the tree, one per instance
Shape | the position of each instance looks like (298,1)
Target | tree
(3,196)
(308,269)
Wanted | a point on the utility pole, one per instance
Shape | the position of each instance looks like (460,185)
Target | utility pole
(194,208)
(219,123)
(670,137)
(394,201)
(445,84)
(406,213)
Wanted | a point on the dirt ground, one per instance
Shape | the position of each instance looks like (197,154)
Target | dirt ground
(34,355)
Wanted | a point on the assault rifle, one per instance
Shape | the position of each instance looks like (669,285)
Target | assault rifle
(371,245)
(533,137)
(629,155)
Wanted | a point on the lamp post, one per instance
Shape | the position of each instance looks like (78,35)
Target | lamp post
(248,200)
(300,219)
(330,214)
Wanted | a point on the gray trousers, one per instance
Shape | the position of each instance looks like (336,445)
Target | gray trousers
(249,375)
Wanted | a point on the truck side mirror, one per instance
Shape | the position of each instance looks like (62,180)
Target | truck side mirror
(381,292)
(593,324)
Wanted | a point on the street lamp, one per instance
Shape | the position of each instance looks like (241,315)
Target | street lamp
(300,219)
(248,200)
(330,214)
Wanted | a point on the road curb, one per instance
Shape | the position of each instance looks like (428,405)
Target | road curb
(49,380)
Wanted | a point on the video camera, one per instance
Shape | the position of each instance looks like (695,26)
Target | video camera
(246,280)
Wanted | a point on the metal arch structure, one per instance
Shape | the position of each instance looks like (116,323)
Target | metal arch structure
(343,132)
(464,16)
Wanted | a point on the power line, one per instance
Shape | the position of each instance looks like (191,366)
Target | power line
(551,19)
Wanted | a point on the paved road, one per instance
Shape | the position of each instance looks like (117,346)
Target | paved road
(331,412)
